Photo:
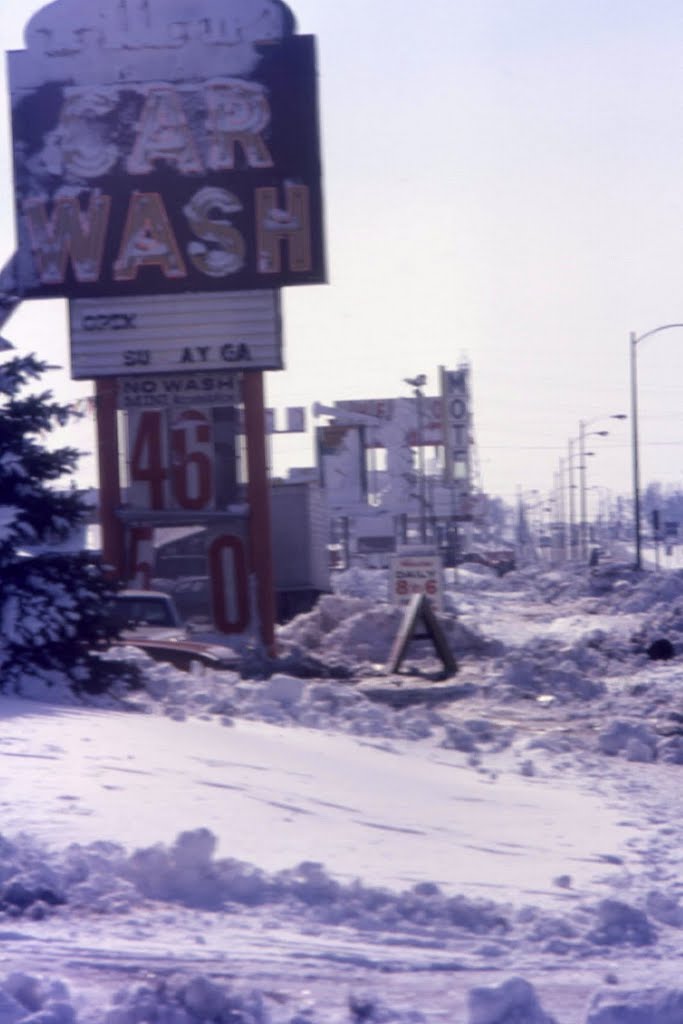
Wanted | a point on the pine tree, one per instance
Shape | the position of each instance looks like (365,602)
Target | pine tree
(51,603)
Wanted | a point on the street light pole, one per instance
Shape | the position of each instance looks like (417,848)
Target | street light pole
(582,482)
(561,509)
(582,488)
(633,345)
(575,536)
(570,463)
(583,520)
(634,447)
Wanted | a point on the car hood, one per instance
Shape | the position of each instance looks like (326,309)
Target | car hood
(172,634)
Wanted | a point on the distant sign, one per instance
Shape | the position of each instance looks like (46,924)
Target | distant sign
(455,405)
(413,574)
(175,334)
(164,149)
(420,420)
(341,459)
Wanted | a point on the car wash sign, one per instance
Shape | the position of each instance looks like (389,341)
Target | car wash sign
(165,146)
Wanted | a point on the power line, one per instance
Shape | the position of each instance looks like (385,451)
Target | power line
(562,448)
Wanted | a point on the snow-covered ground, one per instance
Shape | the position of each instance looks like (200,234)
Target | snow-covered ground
(291,851)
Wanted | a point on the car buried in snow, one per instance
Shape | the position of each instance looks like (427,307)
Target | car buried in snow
(149,620)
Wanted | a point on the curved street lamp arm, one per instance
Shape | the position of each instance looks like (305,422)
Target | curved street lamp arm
(641,337)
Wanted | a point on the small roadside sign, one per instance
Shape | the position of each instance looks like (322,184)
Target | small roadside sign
(416,573)
(419,615)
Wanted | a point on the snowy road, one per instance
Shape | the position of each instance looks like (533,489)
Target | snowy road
(397,857)
(384,811)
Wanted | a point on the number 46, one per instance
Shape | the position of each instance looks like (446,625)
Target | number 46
(171,464)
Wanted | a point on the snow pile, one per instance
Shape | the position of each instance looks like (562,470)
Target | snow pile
(27,999)
(651,1006)
(369,627)
(361,631)
(636,741)
(513,1002)
(365,583)
(665,908)
(611,587)
(473,735)
(180,1001)
(280,700)
(107,685)
(196,999)
(539,668)
(24,998)
(652,591)
(104,878)
(620,924)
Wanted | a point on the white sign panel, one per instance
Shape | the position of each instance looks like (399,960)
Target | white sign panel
(341,460)
(175,334)
(181,459)
(171,462)
(416,574)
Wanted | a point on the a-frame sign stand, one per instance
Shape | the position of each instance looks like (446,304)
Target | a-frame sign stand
(419,623)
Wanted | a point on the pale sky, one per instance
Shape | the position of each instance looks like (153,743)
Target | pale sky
(503,181)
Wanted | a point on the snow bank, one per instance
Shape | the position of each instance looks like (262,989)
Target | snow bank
(42,887)
(24,998)
(513,1002)
(361,630)
(181,1001)
(196,999)
(280,700)
(546,666)
(359,582)
(652,590)
(652,1006)
(38,883)
(635,740)
(620,924)
(102,876)
(27,999)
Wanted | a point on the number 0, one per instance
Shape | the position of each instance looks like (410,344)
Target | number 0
(229,589)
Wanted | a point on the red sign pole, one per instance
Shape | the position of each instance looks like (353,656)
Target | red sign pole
(110,487)
(260,536)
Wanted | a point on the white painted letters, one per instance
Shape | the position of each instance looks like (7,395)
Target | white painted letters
(148,240)
(69,233)
(164,134)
